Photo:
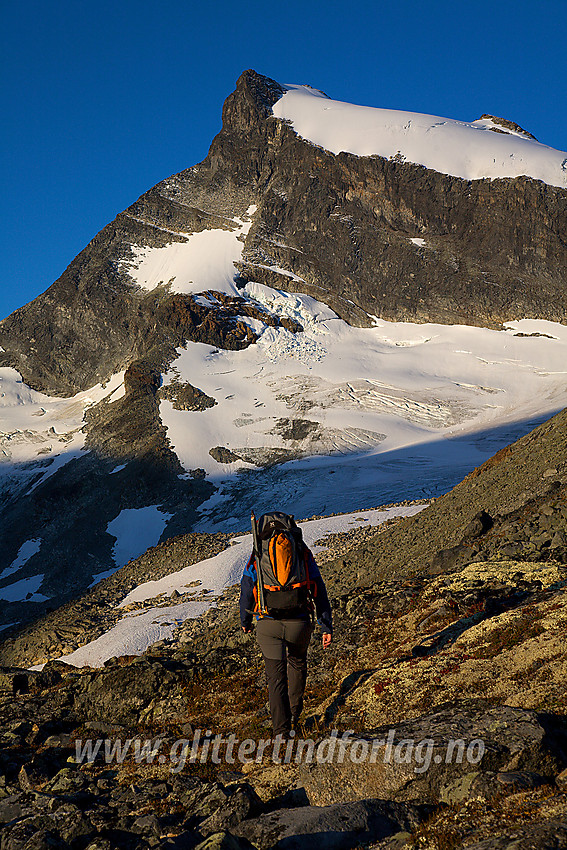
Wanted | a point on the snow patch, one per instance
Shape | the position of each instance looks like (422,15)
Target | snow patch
(20,590)
(204,261)
(277,269)
(536,326)
(135,530)
(214,574)
(26,551)
(133,635)
(118,468)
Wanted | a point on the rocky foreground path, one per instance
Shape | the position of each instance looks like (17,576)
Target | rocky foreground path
(470,656)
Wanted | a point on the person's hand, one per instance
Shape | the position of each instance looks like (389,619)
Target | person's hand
(327,638)
(246,629)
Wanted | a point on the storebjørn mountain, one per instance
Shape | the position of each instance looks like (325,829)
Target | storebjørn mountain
(340,305)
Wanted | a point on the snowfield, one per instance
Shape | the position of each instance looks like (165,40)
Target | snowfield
(135,632)
(470,150)
(360,416)
(39,433)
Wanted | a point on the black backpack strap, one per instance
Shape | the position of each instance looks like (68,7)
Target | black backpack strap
(257,555)
(311,585)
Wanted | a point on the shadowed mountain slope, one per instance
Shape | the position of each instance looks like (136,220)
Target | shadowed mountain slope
(518,479)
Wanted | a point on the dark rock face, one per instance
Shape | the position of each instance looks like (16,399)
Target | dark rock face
(70,512)
(130,428)
(476,267)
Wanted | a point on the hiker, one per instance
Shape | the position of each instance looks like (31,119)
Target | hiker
(278,586)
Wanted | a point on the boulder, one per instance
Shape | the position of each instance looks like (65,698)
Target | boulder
(329,827)
(16,680)
(138,692)
(242,802)
(438,755)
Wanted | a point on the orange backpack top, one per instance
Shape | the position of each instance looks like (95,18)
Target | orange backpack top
(282,565)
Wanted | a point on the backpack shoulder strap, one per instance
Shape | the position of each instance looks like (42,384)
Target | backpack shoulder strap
(257,555)
(311,583)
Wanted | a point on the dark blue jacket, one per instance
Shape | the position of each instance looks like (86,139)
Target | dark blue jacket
(248,602)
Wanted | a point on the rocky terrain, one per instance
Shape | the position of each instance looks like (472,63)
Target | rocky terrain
(460,639)
(368,236)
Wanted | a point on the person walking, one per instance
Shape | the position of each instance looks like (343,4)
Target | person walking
(280,587)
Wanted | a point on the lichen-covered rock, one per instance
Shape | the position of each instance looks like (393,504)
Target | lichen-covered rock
(139,692)
(443,755)
(495,630)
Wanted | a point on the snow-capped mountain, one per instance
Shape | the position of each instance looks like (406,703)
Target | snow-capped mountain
(341,307)
(473,150)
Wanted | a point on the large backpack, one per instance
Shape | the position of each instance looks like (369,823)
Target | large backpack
(282,566)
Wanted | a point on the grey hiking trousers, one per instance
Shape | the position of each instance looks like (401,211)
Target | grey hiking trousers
(284,646)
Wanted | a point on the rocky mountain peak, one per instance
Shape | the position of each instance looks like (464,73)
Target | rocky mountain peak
(504,125)
(370,236)
(251,101)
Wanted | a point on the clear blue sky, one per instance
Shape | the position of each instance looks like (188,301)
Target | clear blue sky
(100,100)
